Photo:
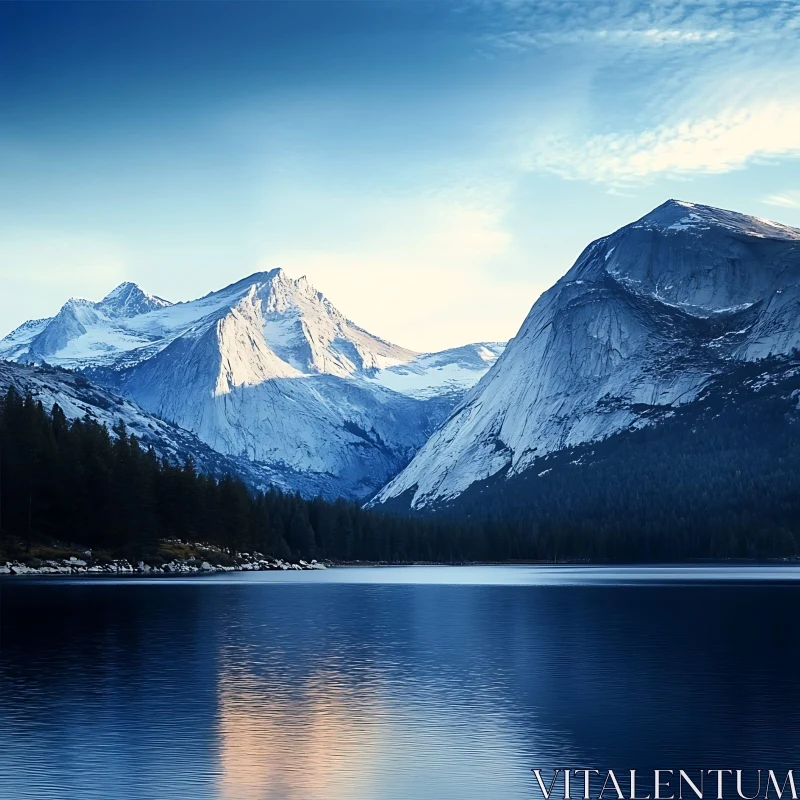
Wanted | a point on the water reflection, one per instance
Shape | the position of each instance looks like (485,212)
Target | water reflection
(400,704)
(243,689)
(273,747)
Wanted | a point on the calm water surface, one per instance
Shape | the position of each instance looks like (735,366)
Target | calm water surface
(388,684)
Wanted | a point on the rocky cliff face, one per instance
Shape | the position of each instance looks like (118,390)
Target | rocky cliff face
(265,370)
(642,320)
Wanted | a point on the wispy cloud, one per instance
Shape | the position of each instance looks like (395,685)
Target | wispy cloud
(650,108)
(727,141)
(790,199)
(629,37)
(543,23)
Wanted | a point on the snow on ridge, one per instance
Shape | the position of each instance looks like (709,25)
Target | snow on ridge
(431,374)
(299,322)
(672,216)
(23,334)
(128,300)
(693,221)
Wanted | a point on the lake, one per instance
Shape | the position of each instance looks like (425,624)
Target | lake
(392,683)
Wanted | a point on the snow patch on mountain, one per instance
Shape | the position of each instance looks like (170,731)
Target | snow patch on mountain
(677,215)
(128,326)
(448,371)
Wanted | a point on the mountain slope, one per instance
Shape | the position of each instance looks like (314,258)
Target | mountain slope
(79,398)
(642,321)
(267,370)
(715,478)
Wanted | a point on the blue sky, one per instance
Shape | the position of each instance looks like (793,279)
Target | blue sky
(431,166)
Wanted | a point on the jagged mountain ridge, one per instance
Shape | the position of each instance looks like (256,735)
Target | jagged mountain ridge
(266,370)
(641,321)
(129,326)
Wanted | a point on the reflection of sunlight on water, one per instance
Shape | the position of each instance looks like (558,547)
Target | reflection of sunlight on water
(383,696)
(320,742)
(331,740)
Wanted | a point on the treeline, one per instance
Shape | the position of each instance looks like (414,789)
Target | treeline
(75,482)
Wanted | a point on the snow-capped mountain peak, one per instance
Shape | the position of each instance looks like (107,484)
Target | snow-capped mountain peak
(680,216)
(128,300)
(297,324)
(303,327)
(694,257)
(640,323)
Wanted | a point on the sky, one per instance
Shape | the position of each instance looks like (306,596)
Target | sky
(432,167)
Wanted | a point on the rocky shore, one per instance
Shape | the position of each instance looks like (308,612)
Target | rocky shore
(204,564)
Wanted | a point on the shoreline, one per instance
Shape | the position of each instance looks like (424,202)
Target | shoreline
(259,563)
(81,567)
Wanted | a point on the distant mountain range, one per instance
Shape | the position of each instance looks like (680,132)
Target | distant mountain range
(265,372)
(648,321)
(686,320)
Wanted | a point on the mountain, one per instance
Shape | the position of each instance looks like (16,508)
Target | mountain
(98,327)
(645,319)
(265,370)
